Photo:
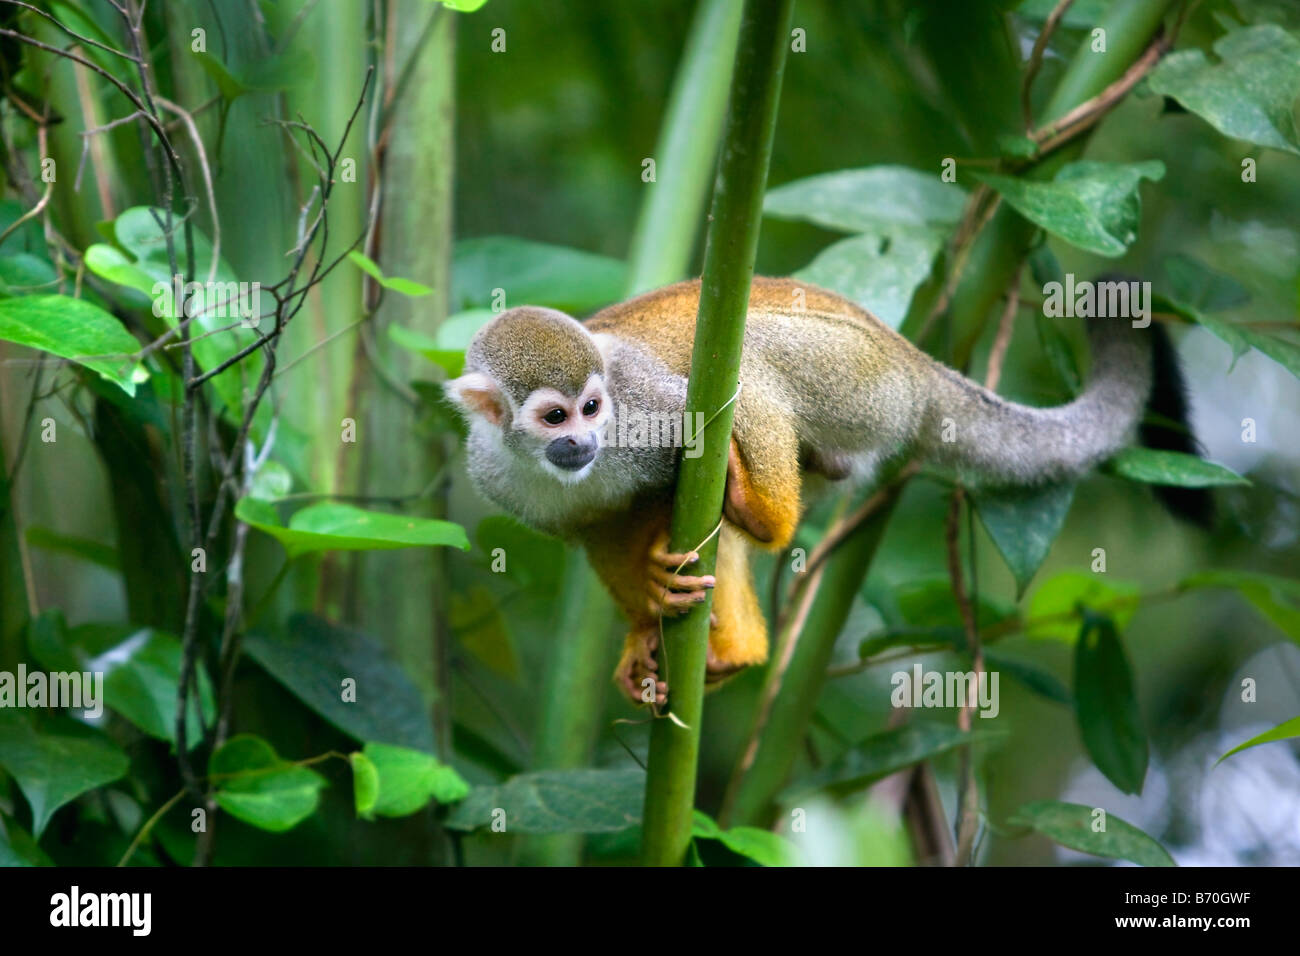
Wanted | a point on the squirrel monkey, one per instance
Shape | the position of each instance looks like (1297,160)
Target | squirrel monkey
(826,388)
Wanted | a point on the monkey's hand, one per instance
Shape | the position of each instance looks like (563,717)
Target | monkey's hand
(671,593)
(637,672)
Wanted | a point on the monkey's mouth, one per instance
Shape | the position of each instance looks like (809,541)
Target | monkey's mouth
(572,454)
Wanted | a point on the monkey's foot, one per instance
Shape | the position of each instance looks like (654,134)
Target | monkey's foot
(671,593)
(716,670)
(637,672)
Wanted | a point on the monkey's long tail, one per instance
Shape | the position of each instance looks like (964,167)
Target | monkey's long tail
(985,440)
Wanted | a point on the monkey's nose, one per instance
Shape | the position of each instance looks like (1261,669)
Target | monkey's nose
(572,453)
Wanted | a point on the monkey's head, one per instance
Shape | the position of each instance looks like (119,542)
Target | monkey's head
(535,380)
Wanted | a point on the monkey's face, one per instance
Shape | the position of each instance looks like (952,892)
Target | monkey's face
(554,430)
(562,431)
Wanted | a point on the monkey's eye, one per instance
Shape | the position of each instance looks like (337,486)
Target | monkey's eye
(555,416)
(591,408)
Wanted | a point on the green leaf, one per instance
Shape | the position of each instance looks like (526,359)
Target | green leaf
(1071,824)
(406,287)
(365,784)
(54,542)
(77,330)
(1176,468)
(1278,599)
(406,780)
(1082,15)
(533,560)
(1092,205)
(109,262)
(330,526)
(451,361)
(313,658)
(762,846)
(532,273)
(255,785)
(929,602)
(55,762)
(1203,288)
(880,755)
(1059,353)
(869,200)
(1250,94)
(1038,679)
(556,801)
(25,274)
(141,678)
(17,848)
(1023,523)
(1239,338)
(462,6)
(1070,593)
(1106,706)
(480,627)
(272,481)
(879,270)
(292,68)
(1286,730)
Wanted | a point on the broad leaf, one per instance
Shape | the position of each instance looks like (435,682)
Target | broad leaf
(1287,730)
(1038,679)
(880,755)
(879,270)
(1277,598)
(313,658)
(557,801)
(532,273)
(1106,706)
(404,781)
(451,361)
(1023,523)
(868,200)
(1058,605)
(55,761)
(330,526)
(1175,468)
(762,846)
(1250,94)
(1092,205)
(406,287)
(17,848)
(1072,825)
(77,330)
(255,785)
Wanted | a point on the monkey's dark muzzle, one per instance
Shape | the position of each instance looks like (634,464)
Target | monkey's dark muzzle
(572,453)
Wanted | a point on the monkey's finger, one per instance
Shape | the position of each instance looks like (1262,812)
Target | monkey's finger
(660,554)
(674,603)
(665,577)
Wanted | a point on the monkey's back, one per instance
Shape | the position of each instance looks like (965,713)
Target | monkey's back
(841,371)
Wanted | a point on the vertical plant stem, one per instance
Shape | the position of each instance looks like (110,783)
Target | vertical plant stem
(404,595)
(688,145)
(573,696)
(798,670)
(994,261)
(715,367)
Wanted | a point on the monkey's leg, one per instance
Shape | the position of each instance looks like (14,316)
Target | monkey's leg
(639,665)
(738,636)
(763,480)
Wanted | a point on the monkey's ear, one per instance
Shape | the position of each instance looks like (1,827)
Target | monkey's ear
(477,394)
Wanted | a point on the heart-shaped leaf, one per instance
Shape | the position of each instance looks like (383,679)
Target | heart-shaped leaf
(256,786)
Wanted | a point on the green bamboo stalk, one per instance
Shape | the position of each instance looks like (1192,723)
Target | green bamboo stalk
(660,253)
(1129,25)
(688,145)
(573,695)
(404,595)
(715,368)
